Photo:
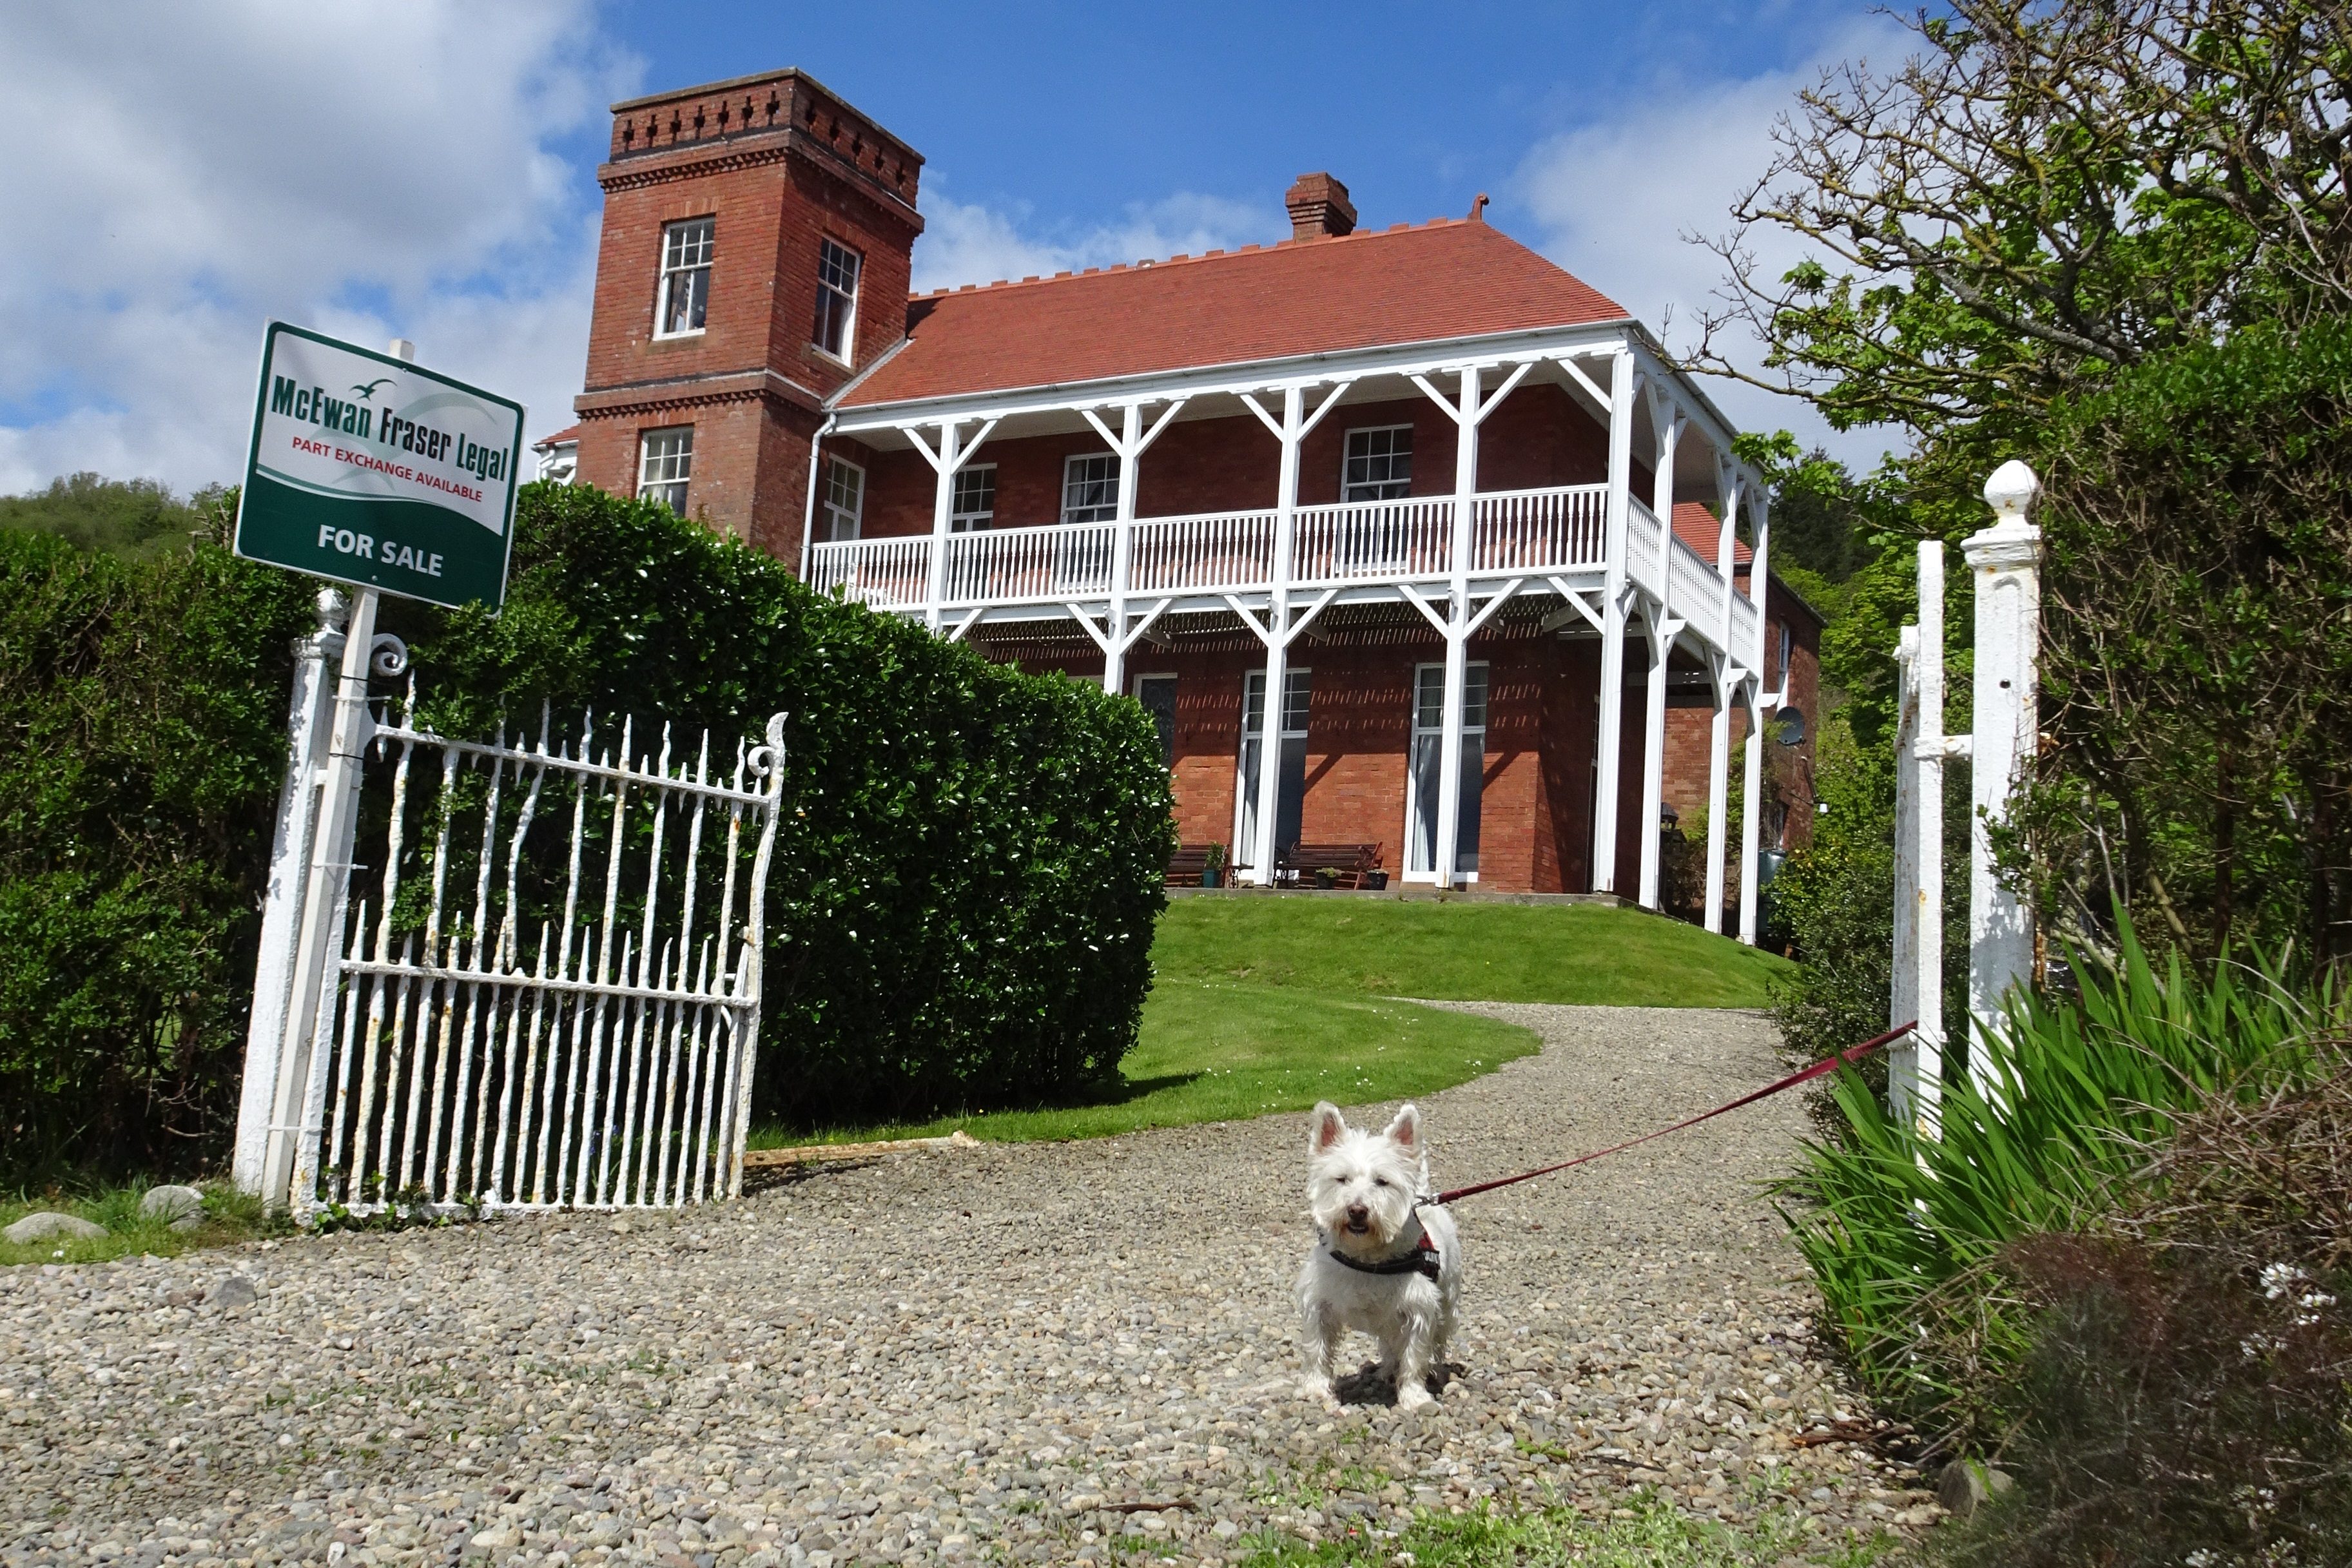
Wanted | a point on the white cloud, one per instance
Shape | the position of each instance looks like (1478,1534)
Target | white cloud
(1613,200)
(178,175)
(972,243)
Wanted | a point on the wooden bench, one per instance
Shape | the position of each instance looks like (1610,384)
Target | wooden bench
(1349,863)
(1188,864)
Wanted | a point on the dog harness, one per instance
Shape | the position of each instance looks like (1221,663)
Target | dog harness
(1422,1258)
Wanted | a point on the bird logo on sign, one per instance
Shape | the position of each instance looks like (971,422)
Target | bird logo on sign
(367,390)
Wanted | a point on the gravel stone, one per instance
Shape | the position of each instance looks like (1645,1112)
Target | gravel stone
(170,1203)
(1036,1354)
(45,1224)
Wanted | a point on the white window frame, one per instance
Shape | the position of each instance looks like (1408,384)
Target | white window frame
(1071,477)
(680,264)
(827,290)
(1243,852)
(1474,753)
(1352,491)
(962,516)
(680,478)
(841,524)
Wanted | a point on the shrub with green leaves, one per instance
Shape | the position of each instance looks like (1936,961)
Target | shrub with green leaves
(1887,1218)
(142,739)
(965,882)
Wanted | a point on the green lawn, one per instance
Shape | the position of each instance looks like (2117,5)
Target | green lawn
(1271,1004)
(1222,1051)
(1577,953)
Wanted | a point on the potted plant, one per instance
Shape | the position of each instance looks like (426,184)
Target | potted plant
(1327,877)
(1212,870)
(1375,881)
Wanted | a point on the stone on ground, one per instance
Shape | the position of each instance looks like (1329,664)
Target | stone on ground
(47,1225)
(171,1204)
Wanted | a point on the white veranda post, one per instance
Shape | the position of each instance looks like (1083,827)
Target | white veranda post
(1116,636)
(1751,813)
(1280,628)
(1663,629)
(1607,750)
(952,454)
(1726,677)
(2004,560)
(1468,408)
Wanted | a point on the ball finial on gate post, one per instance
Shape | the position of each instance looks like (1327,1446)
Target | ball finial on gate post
(333,610)
(2009,491)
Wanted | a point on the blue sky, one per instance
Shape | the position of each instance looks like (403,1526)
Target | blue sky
(426,167)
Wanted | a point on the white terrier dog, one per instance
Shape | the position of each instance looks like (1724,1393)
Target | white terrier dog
(1381,1264)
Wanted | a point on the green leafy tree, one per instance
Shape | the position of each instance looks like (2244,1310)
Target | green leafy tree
(2116,240)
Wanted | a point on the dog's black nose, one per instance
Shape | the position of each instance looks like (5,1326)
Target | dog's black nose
(1358,1213)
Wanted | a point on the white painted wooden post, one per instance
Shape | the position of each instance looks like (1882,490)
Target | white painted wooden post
(1457,623)
(1607,750)
(309,713)
(1129,447)
(1725,679)
(942,507)
(2004,560)
(1718,789)
(1277,645)
(309,999)
(1668,422)
(1916,1075)
(1751,817)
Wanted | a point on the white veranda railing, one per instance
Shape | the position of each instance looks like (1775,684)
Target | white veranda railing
(545,989)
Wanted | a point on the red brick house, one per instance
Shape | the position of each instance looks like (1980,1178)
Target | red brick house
(1448,501)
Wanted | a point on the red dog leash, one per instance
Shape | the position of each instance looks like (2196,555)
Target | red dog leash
(1850,1054)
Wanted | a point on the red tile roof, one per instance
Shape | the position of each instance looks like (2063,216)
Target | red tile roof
(1699,528)
(1451,278)
(570,432)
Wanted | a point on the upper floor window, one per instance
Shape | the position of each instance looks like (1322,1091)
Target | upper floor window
(1090,488)
(843,503)
(684,279)
(972,504)
(836,298)
(1786,648)
(1378,463)
(664,466)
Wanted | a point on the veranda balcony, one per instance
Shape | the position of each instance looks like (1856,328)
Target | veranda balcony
(1552,540)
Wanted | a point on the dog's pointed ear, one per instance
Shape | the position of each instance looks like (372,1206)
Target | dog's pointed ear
(1405,1131)
(1325,1128)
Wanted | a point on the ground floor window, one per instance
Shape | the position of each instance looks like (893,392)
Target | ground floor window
(665,465)
(1424,775)
(1158,695)
(1290,783)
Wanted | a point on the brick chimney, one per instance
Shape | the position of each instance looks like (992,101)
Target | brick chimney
(1318,207)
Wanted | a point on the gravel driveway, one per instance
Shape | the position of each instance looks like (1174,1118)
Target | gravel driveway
(1051,1352)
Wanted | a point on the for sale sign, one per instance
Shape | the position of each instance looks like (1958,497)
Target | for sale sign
(369,470)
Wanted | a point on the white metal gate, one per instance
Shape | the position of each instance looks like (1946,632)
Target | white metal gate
(543,983)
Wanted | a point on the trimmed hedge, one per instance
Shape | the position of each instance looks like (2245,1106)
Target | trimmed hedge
(142,739)
(965,885)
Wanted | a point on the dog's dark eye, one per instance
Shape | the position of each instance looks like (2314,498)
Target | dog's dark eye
(1380,1181)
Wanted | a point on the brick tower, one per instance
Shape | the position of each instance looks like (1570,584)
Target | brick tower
(755,256)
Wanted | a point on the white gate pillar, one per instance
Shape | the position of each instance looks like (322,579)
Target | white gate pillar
(1915,1070)
(307,998)
(308,717)
(2004,560)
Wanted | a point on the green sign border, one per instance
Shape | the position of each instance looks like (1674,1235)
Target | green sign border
(253,469)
